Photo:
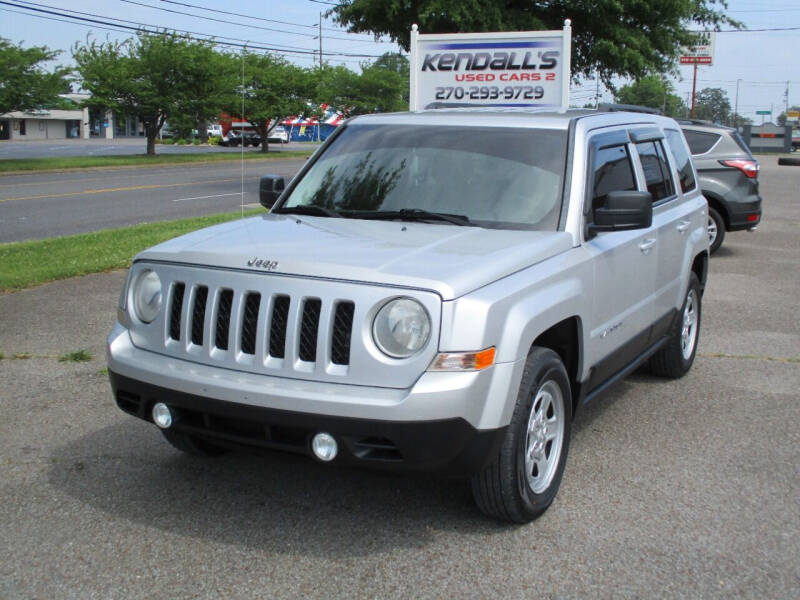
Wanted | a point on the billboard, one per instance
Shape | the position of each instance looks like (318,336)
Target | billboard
(701,53)
(513,69)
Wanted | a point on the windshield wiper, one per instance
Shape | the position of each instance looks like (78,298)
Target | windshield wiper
(306,209)
(414,214)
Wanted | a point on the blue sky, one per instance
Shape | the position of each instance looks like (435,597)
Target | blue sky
(762,60)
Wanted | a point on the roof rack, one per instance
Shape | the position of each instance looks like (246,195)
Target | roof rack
(605,107)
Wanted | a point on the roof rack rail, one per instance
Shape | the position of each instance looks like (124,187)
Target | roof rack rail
(605,107)
(436,105)
(695,122)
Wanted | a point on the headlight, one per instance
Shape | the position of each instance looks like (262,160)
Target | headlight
(401,328)
(147,296)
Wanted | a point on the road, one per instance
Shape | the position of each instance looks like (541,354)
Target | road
(673,489)
(42,205)
(103,147)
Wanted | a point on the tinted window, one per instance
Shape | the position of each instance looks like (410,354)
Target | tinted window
(656,170)
(612,172)
(700,142)
(499,177)
(683,162)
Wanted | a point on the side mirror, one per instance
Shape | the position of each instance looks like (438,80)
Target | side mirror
(270,187)
(623,211)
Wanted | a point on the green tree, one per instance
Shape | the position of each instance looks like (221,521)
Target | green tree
(712,104)
(154,76)
(24,82)
(782,116)
(627,38)
(382,86)
(269,88)
(654,92)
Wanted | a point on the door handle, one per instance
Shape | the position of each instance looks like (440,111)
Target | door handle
(647,245)
(683,226)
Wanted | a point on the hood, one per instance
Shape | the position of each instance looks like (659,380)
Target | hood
(447,259)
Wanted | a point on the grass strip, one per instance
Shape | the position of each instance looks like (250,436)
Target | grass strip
(24,264)
(14,165)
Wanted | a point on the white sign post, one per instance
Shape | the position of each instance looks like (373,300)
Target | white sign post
(515,68)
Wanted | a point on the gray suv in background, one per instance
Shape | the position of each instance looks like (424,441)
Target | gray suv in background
(728,176)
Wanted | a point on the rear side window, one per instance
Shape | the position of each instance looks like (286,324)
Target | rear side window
(683,162)
(700,142)
(740,142)
(656,170)
(612,171)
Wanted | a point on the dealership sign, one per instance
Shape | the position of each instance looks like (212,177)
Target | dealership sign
(519,68)
(702,52)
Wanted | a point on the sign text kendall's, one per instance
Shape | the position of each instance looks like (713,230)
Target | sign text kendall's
(528,68)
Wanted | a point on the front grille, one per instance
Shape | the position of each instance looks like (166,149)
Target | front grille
(265,331)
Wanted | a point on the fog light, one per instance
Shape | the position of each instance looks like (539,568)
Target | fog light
(162,416)
(324,447)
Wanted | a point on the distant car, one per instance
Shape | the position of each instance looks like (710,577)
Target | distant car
(235,138)
(728,176)
(278,134)
(214,130)
(795,140)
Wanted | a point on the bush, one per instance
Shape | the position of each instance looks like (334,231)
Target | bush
(196,141)
(214,140)
(181,142)
(167,141)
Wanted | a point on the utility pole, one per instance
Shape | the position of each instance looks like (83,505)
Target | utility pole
(736,106)
(597,89)
(320,40)
(694,88)
(786,101)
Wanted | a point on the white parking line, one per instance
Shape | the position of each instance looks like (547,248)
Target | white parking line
(205,197)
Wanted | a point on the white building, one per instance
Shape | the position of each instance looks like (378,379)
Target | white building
(46,124)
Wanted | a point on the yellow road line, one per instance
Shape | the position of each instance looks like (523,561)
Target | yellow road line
(129,188)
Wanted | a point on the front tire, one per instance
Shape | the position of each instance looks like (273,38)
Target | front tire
(716,230)
(676,357)
(523,479)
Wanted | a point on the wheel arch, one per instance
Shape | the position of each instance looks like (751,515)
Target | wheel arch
(564,339)
(700,268)
(715,202)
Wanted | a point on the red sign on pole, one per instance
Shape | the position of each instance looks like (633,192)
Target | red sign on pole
(695,60)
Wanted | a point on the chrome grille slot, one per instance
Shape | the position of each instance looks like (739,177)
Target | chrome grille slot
(176,311)
(223,319)
(342,333)
(199,314)
(309,328)
(277,327)
(250,322)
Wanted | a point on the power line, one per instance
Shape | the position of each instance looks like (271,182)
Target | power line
(188,34)
(227,12)
(226,22)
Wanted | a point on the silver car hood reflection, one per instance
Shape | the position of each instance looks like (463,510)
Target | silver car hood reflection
(447,259)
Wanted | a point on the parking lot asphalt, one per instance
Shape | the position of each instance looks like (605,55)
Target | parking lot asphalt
(687,488)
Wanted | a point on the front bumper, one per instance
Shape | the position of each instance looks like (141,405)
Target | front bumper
(448,446)
(445,422)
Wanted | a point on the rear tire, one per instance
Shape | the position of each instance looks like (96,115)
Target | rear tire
(192,445)
(676,357)
(523,479)
(716,230)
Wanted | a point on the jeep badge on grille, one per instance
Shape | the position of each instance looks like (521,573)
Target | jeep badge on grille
(263,263)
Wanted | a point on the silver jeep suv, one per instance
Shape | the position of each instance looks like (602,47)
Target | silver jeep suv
(440,290)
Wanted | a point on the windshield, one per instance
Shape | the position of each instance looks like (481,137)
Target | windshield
(495,177)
